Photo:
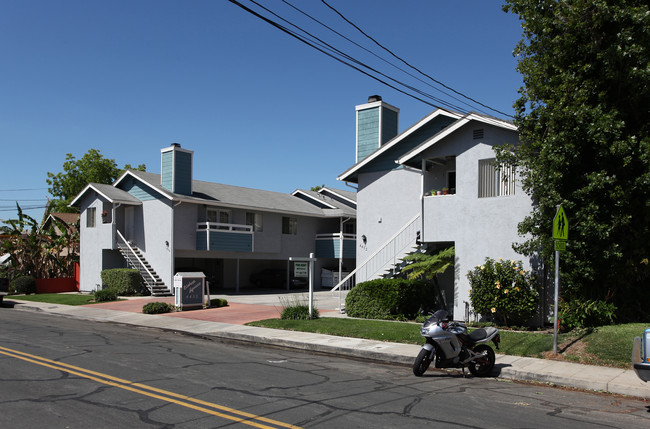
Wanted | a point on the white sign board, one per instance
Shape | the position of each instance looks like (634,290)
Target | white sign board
(301,269)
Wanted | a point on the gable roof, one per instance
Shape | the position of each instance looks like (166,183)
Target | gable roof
(351,173)
(328,204)
(69,218)
(340,193)
(218,194)
(108,192)
(416,152)
(407,153)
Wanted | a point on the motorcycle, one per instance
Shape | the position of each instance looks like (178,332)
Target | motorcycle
(451,346)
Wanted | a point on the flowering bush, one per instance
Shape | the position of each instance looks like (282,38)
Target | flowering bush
(504,291)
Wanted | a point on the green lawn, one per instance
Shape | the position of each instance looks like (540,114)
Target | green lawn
(55,298)
(607,345)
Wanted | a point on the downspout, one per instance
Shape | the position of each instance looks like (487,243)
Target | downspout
(350,186)
(171,247)
(422,174)
(114,224)
(341,256)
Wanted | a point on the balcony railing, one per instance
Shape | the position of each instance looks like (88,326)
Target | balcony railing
(228,237)
(216,226)
(330,245)
(336,235)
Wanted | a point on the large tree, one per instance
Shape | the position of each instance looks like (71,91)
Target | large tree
(77,173)
(583,115)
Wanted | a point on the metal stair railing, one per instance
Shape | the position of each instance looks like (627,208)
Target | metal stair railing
(386,254)
(132,257)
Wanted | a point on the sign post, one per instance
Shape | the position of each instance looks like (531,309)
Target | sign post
(560,237)
(311,261)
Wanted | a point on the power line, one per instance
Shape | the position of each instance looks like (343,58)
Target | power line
(350,58)
(409,65)
(303,40)
(373,53)
(21,190)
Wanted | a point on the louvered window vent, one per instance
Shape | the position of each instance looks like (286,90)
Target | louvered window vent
(478,134)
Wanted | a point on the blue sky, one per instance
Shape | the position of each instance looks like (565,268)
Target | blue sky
(258,108)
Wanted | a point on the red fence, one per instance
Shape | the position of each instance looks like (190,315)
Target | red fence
(59,285)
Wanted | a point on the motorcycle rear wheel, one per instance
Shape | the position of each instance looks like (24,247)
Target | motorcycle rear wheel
(482,366)
(422,362)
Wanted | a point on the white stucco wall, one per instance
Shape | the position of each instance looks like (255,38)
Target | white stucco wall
(92,242)
(153,228)
(479,227)
(386,201)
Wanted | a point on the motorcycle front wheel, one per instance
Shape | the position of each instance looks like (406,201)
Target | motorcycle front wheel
(482,366)
(422,362)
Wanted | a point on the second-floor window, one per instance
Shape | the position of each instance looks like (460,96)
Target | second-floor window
(218,216)
(289,225)
(91,214)
(255,220)
(493,182)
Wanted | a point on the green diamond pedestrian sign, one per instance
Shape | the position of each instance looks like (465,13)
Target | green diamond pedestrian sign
(560,225)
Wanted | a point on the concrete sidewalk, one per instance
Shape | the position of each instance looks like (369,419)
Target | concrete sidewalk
(228,323)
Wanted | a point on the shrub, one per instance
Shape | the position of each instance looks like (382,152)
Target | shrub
(389,299)
(585,313)
(157,308)
(23,285)
(298,312)
(504,291)
(295,308)
(218,302)
(124,281)
(105,295)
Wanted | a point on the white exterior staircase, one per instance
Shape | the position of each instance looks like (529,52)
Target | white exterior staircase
(135,260)
(384,260)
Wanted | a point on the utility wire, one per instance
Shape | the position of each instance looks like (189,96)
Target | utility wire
(409,65)
(20,190)
(331,48)
(348,57)
(303,40)
(376,55)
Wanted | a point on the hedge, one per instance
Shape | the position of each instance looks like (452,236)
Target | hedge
(23,285)
(105,295)
(124,281)
(390,299)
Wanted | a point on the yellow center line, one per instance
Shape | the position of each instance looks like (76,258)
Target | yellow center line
(143,389)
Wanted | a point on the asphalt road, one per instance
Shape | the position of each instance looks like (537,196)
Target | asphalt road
(58,372)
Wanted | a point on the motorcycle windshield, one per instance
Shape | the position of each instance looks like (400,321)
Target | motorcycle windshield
(439,316)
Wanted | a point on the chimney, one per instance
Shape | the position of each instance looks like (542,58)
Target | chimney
(377,123)
(176,169)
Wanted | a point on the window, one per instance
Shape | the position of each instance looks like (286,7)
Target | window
(349,228)
(91,213)
(451,181)
(493,182)
(218,216)
(289,225)
(254,219)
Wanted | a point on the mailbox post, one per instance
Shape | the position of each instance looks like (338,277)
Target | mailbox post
(189,290)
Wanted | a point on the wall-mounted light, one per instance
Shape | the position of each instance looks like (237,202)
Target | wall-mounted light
(364,239)
(166,243)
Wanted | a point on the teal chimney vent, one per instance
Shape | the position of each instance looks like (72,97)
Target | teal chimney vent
(176,169)
(377,123)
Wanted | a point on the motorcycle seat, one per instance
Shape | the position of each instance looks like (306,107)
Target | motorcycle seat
(481,333)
